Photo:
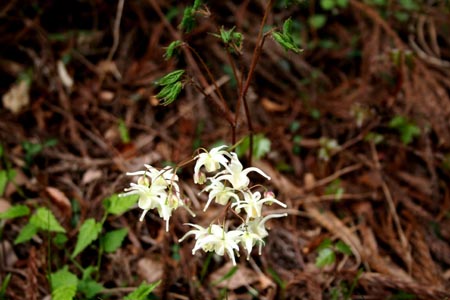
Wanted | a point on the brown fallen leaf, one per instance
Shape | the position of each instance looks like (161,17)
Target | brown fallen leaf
(60,200)
(242,277)
(91,175)
(150,269)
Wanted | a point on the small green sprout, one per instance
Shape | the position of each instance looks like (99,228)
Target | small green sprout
(285,38)
(170,50)
(172,87)
(233,40)
(407,129)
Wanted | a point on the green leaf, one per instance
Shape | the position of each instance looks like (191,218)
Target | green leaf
(2,151)
(188,21)
(170,50)
(60,239)
(170,78)
(342,3)
(15,211)
(5,176)
(3,181)
(44,219)
(197,4)
(90,287)
(169,93)
(4,286)
(123,131)
(64,284)
(142,291)
(227,276)
(286,42)
(261,146)
(118,204)
(327,4)
(326,257)
(113,239)
(27,232)
(326,243)
(317,21)
(64,293)
(89,232)
(408,130)
(343,248)
(287,27)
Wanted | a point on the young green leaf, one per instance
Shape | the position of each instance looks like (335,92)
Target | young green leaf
(170,93)
(44,219)
(227,276)
(317,21)
(142,291)
(117,205)
(286,42)
(261,146)
(89,232)
(170,50)
(89,287)
(188,21)
(4,286)
(287,27)
(64,284)
(26,233)
(170,78)
(123,131)
(3,181)
(15,211)
(197,4)
(343,248)
(5,177)
(113,239)
(326,257)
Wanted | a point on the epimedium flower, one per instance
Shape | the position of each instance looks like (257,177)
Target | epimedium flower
(157,189)
(257,225)
(220,193)
(253,203)
(255,232)
(249,239)
(236,175)
(212,161)
(216,239)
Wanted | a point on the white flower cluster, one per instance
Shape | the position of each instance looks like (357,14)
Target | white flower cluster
(230,186)
(158,189)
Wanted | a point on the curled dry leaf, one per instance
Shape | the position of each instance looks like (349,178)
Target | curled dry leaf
(17,97)
(150,269)
(91,175)
(272,106)
(60,200)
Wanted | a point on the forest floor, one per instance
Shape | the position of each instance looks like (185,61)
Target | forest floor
(354,132)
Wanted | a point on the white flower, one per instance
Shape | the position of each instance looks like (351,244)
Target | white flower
(216,239)
(200,232)
(249,239)
(157,189)
(256,231)
(211,160)
(252,203)
(236,174)
(220,193)
(257,225)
